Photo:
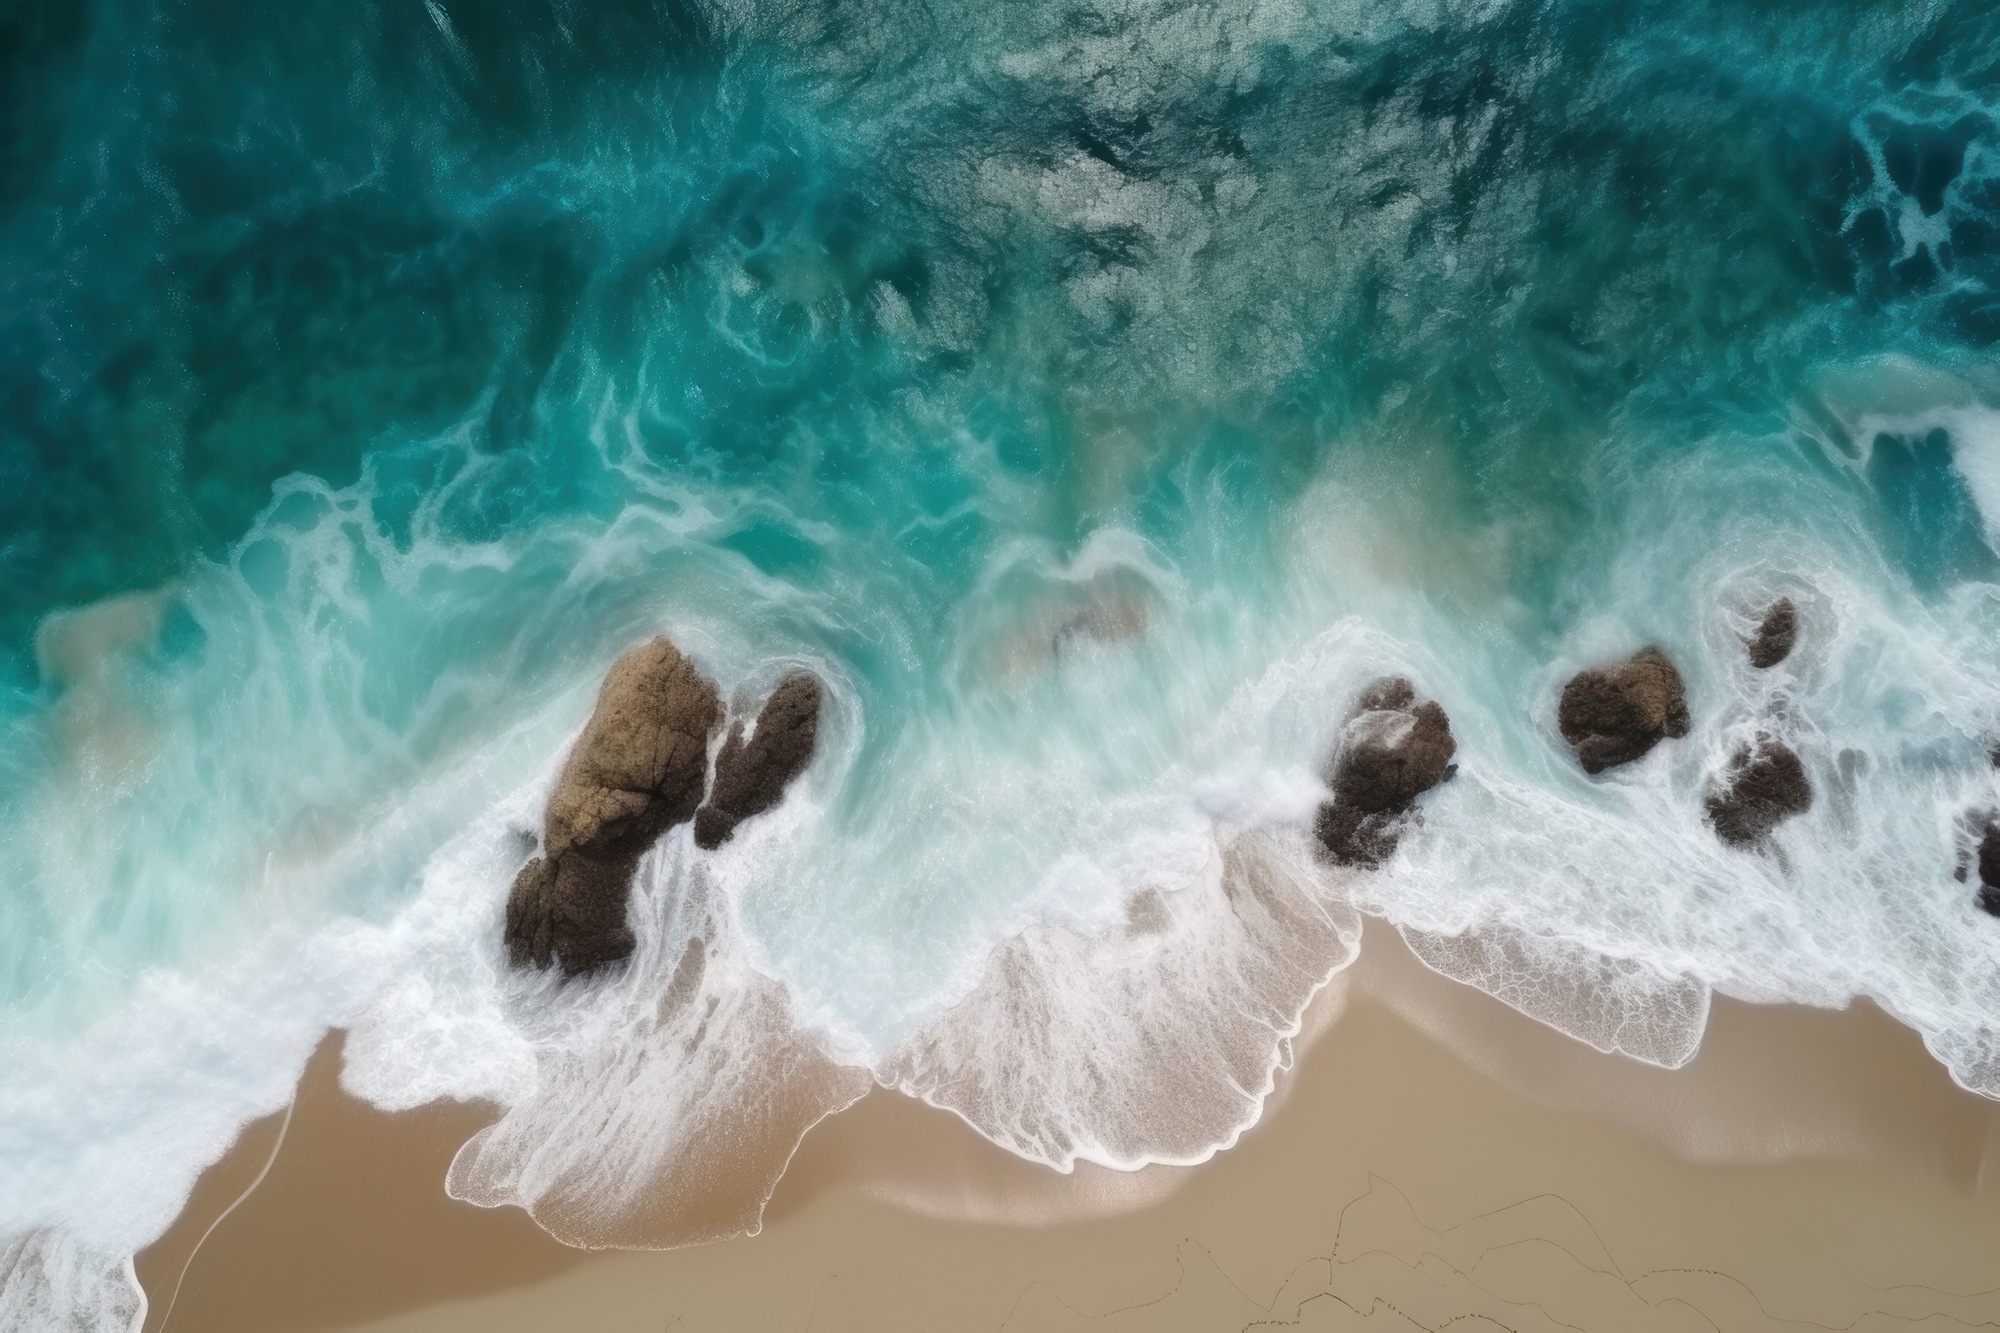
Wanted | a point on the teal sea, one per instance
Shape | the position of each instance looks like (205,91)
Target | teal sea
(1095,394)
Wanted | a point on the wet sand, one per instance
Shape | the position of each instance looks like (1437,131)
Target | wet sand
(1435,1158)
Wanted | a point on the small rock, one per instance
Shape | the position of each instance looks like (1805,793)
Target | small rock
(1765,785)
(1614,714)
(1989,868)
(637,770)
(1773,641)
(1393,750)
(751,776)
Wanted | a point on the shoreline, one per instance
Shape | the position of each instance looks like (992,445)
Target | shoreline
(1837,1127)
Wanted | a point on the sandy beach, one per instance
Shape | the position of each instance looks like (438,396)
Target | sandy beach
(1433,1159)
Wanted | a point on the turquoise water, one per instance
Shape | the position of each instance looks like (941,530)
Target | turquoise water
(1095,395)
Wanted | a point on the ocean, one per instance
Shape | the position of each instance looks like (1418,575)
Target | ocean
(1095,396)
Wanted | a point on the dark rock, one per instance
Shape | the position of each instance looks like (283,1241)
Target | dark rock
(1765,785)
(572,908)
(1773,641)
(1614,714)
(1393,750)
(751,776)
(637,770)
(1989,868)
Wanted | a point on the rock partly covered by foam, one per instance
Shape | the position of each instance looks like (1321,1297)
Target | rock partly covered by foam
(1765,785)
(1614,714)
(637,770)
(1776,633)
(1989,867)
(751,775)
(1393,750)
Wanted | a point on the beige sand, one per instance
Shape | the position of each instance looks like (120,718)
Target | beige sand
(1436,1159)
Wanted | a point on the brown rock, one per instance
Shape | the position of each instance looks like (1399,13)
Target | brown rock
(1614,714)
(640,765)
(1393,750)
(1765,785)
(1773,641)
(637,770)
(751,776)
(572,908)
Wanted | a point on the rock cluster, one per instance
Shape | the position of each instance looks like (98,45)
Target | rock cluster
(1765,785)
(1614,714)
(1393,750)
(639,769)
(1776,633)
(1396,747)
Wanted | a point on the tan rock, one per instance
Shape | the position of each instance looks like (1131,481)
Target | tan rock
(637,770)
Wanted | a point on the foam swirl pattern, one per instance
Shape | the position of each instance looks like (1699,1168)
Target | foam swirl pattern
(1095,397)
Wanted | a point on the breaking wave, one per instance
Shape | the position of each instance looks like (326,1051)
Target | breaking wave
(1096,399)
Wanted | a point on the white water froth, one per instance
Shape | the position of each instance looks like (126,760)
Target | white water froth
(52,1283)
(1613,1004)
(1609,909)
(1072,897)
(1154,1041)
(652,1106)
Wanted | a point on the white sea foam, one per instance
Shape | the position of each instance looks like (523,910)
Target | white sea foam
(1069,894)
(1079,907)
(668,1099)
(1154,1040)
(1608,908)
(1051,868)
(51,1283)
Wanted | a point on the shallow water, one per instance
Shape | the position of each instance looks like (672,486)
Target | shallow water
(1096,396)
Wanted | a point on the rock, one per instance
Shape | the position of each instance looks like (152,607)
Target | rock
(1765,785)
(751,776)
(571,908)
(1989,868)
(637,770)
(642,761)
(1614,714)
(1773,641)
(1393,750)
